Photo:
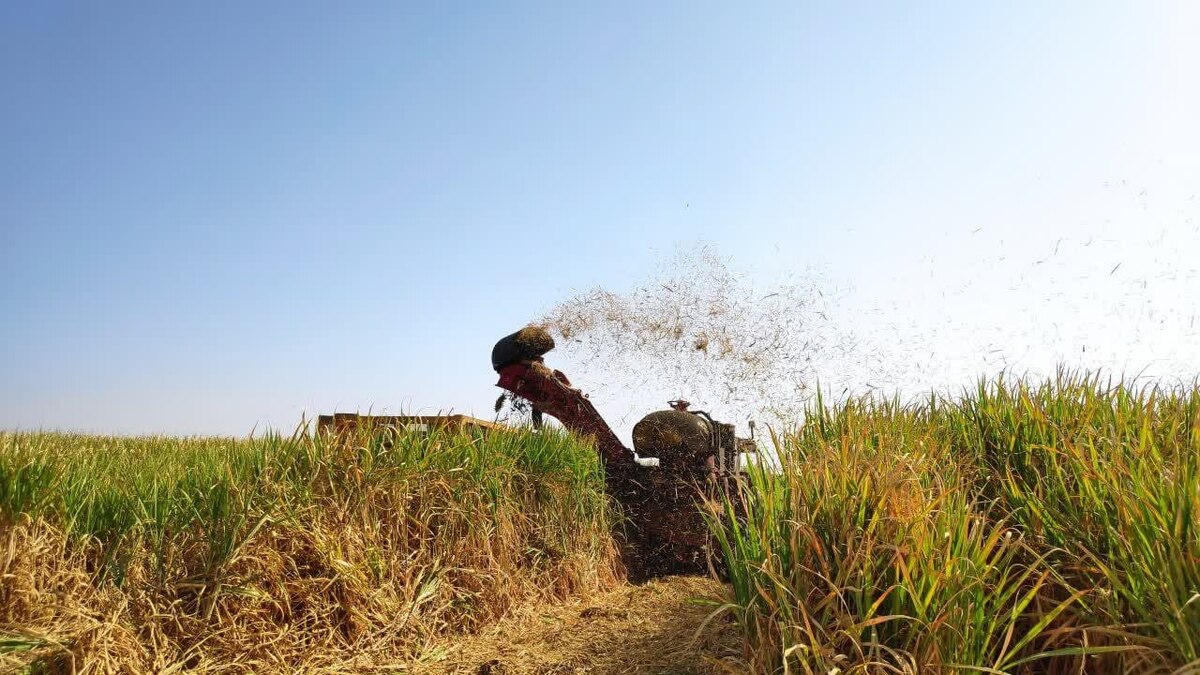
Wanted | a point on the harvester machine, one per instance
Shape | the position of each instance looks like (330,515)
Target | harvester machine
(697,457)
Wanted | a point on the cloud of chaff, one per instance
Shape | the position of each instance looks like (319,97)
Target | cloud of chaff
(699,329)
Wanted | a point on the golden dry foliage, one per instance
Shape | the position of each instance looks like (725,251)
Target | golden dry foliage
(653,628)
(367,555)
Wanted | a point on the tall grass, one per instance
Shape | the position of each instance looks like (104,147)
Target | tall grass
(1023,527)
(336,553)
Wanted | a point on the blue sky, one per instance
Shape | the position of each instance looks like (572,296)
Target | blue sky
(225,215)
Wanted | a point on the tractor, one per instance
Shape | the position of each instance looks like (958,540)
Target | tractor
(663,531)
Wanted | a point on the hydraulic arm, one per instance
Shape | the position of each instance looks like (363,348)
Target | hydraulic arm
(663,531)
(551,392)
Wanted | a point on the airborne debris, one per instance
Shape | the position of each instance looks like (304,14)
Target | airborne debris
(535,339)
(699,330)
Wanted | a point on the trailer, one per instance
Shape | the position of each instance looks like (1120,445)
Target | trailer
(348,423)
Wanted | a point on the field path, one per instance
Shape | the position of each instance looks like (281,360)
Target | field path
(654,628)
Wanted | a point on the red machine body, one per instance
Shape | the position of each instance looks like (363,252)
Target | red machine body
(551,392)
(663,529)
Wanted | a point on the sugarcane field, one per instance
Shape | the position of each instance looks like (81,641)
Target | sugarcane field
(552,339)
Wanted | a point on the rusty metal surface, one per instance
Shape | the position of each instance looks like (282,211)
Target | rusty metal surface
(662,531)
(550,392)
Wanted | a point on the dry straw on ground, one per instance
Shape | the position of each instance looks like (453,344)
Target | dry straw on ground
(658,627)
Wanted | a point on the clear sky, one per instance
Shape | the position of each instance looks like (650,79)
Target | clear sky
(218,215)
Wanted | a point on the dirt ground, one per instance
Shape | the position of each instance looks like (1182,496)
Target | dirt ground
(655,628)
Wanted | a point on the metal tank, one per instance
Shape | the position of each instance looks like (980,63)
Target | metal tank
(662,530)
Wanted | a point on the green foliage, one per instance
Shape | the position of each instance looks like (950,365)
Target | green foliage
(200,500)
(1021,528)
